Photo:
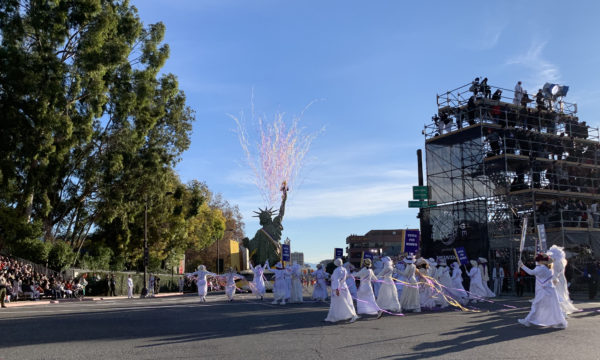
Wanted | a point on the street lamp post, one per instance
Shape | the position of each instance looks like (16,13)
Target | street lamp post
(145,289)
(146,251)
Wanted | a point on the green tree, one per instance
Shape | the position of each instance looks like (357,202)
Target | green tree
(90,128)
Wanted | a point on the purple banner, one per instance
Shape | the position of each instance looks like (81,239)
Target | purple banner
(411,241)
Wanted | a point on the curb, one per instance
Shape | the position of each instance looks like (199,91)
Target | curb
(86,299)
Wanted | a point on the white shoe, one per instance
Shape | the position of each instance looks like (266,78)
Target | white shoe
(354,319)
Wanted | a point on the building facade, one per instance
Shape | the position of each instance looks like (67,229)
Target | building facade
(297,258)
(375,242)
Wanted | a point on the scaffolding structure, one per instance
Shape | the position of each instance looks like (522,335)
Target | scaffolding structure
(493,160)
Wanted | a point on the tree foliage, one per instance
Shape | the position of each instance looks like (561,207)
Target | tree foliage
(90,134)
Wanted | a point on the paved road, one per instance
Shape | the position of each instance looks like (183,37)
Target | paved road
(182,328)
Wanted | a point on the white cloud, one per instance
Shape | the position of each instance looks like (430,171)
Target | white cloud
(533,61)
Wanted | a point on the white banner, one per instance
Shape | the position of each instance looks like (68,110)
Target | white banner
(542,235)
(523,234)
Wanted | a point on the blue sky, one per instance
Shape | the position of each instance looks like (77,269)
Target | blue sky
(376,67)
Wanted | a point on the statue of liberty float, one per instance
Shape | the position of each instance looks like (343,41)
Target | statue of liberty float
(265,244)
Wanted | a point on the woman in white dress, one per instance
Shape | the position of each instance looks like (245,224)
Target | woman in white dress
(559,262)
(476,290)
(399,279)
(377,266)
(443,277)
(341,307)
(485,278)
(280,286)
(427,296)
(296,291)
(365,300)
(201,274)
(545,309)
(387,299)
(320,289)
(457,290)
(350,281)
(409,300)
(258,282)
(230,277)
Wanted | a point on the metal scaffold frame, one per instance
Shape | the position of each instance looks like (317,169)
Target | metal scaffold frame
(493,160)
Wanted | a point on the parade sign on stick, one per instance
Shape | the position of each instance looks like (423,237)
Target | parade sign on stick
(523,236)
(461,255)
(411,241)
(285,252)
(542,235)
(339,253)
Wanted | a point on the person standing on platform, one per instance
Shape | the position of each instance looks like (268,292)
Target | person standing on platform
(545,308)
(320,289)
(387,299)
(409,300)
(518,94)
(129,287)
(341,307)
(365,300)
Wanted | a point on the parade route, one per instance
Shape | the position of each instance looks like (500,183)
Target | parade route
(180,327)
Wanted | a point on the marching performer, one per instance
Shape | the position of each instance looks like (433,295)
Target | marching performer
(280,286)
(457,290)
(320,289)
(485,278)
(387,299)
(427,296)
(443,277)
(230,279)
(296,290)
(409,300)
(350,281)
(559,262)
(365,303)
(545,309)
(258,282)
(476,290)
(341,307)
(201,274)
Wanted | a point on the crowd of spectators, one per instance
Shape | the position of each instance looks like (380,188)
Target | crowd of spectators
(22,282)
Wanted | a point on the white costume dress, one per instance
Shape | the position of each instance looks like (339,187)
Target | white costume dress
(484,280)
(280,286)
(398,270)
(320,289)
(377,266)
(201,282)
(387,299)
(410,293)
(443,277)
(457,290)
(341,307)
(287,275)
(545,309)
(129,288)
(560,281)
(296,290)
(230,287)
(350,281)
(427,295)
(476,290)
(365,303)
(258,282)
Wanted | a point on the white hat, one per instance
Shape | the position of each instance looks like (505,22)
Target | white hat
(278,265)
(201,267)
(409,259)
(482,260)
(431,262)
(338,262)
(473,262)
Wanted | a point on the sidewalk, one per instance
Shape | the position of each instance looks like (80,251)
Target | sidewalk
(88,298)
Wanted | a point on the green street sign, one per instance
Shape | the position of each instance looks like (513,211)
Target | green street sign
(421,204)
(420,192)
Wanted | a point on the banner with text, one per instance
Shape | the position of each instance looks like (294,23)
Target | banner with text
(542,235)
(461,255)
(285,252)
(339,253)
(411,241)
